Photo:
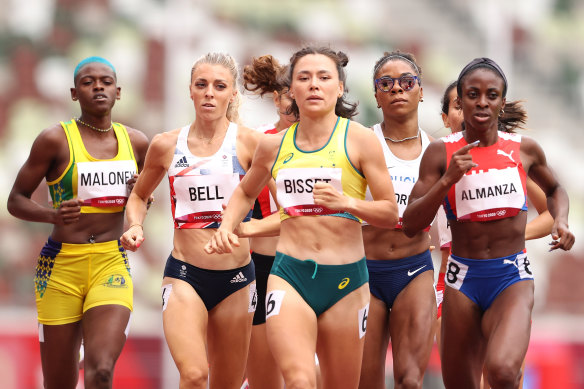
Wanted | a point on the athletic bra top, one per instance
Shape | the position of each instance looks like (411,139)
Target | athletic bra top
(404,173)
(101,183)
(200,185)
(296,171)
(494,189)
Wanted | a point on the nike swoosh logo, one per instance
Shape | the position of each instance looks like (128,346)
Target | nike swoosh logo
(411,273)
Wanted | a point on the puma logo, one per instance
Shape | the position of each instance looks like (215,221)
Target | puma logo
(501,152)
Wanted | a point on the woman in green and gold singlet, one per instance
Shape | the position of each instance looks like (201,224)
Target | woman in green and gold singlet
(317,298)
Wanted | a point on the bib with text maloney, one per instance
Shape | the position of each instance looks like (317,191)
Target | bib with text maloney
(101,183)
(199,186)
(494,189)
(404,173)
(297,171)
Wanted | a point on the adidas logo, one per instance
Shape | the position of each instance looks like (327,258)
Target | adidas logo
(182,162)
(239,277)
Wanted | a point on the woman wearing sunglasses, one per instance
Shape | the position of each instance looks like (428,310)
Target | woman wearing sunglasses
(479,174)
(401,277)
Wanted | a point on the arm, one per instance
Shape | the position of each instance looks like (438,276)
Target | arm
(268,226)
(557,197)
(433,184)
(366,154)
(541,225)
(244,196)
(139,143)
(43,156)
(158,158)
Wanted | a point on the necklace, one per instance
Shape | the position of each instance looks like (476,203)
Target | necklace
(95,128)
(209,140)
(404,139)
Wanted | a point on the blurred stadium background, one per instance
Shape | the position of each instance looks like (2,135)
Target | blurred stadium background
(153,43)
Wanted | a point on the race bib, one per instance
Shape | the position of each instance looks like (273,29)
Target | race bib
(103,183)
(455,273)
(200,198)
(295,186)
(489,195)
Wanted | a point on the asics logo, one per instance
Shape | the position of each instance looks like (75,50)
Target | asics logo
(411,273)
(288,158)
(344,283)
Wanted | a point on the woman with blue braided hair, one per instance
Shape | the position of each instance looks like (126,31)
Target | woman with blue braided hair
(479,175)
(83,283)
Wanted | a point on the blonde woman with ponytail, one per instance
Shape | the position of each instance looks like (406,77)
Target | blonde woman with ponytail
(208,300)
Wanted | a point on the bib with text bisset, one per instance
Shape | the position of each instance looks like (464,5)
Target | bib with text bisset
(295,186)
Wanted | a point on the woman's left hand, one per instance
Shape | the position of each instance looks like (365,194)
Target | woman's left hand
(562,237)
(221,242)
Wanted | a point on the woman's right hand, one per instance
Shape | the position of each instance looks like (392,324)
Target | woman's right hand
(221,242)
(460,163)
(68,212)
(133,237)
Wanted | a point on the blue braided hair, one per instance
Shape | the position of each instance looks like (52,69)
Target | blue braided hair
(89,60)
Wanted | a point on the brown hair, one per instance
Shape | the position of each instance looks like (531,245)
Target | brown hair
(513,117)
(265,75)
(343,108)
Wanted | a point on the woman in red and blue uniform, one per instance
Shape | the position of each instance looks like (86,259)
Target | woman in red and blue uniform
(479,175)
